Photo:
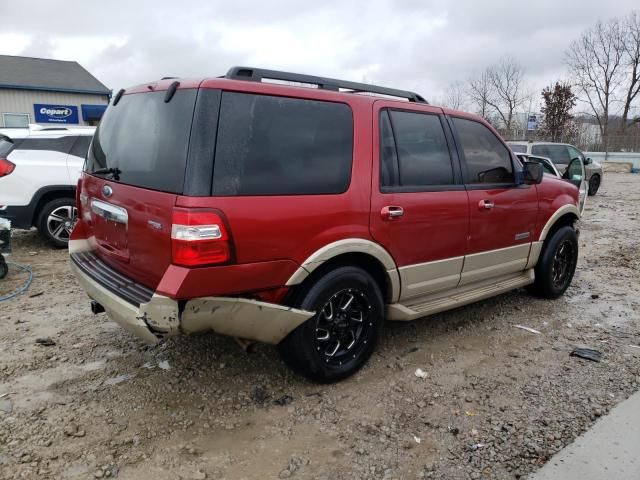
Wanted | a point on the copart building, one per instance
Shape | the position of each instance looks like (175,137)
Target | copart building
(49,92)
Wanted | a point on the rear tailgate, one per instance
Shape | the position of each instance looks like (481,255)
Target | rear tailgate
(135,170)
(132,228)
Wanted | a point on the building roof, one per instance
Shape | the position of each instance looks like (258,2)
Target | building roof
(26,73)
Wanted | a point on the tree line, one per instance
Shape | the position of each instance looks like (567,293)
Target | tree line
(603,78)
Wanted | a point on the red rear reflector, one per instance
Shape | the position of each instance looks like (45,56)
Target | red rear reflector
(6,167)
(199,237)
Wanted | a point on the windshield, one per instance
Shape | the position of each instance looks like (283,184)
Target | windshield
(145,139)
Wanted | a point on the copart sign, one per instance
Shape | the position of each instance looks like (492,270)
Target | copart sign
(55,113)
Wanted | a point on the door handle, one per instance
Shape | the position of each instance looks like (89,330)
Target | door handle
(486,204)
(391,212)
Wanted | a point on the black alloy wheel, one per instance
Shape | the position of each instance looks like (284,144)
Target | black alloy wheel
(343,326)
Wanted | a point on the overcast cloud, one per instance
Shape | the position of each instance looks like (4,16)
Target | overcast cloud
(411,44)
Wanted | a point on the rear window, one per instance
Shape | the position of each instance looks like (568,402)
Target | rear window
(5,146)
(51,144)
(146,139)
(81,146)
(282,146)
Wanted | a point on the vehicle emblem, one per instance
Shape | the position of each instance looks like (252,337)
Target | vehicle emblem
(107,191)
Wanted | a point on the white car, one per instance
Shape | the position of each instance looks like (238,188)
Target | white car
(39,169)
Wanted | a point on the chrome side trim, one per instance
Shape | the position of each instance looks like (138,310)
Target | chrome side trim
(110,212)
(350,245)
(483,265)
(423,278)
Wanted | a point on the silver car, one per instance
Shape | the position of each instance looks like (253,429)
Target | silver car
(561,155)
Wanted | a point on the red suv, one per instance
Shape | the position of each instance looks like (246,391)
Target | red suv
(305,217)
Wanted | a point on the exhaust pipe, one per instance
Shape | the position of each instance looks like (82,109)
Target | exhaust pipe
(96,308)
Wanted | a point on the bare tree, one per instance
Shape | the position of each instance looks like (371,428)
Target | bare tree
(480,92)
(595,60)
(455,96)
(507,89)
(631,63)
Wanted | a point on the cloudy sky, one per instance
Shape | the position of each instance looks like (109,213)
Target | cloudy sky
(413,44)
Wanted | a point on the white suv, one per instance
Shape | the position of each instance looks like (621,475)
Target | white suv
(39,169)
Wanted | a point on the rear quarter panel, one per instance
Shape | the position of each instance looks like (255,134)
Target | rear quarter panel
(281,227)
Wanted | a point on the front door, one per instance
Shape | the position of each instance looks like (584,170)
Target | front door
(502,214)
(419,207)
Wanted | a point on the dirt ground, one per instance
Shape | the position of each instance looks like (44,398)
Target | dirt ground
(498,401)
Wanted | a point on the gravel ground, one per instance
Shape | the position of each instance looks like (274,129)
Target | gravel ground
(497,401)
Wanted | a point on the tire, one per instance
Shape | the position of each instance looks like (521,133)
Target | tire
(557,264)
(594,184)
(4,268)
(349,308)
(56,219)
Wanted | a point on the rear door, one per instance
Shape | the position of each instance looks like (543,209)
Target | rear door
(419,207)
(502,213)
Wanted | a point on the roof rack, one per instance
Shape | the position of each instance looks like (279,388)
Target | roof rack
(258,74)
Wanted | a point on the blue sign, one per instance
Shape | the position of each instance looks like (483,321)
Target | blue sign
(55,113)
(532,122)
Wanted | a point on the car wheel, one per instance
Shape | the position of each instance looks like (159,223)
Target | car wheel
(594,184)
(56,220)
(557,263)
(343,333)
(4,268)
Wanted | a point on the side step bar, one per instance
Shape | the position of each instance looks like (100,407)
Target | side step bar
(458,297)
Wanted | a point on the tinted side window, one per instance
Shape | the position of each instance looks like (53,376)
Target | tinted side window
(519,148)
(487,159)
(422,150)
(575,153)
(388,153)
(6,145)
(60,144)
(81,147)
(282,146)
(557,153)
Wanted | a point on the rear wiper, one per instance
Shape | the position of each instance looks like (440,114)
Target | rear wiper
(108,171)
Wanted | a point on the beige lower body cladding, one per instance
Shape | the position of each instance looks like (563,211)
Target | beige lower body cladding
(161,316)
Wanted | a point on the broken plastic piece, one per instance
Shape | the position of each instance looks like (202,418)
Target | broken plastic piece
(528,329)
(421,373)
(587,353)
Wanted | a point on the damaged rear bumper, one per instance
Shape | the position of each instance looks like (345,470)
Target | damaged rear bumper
(162,317)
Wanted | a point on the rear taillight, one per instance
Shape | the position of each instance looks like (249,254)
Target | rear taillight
(82,203)
(199,237)
(6,167)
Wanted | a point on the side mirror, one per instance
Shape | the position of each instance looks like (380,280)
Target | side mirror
(574,172)
(533,173)
(588,161)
